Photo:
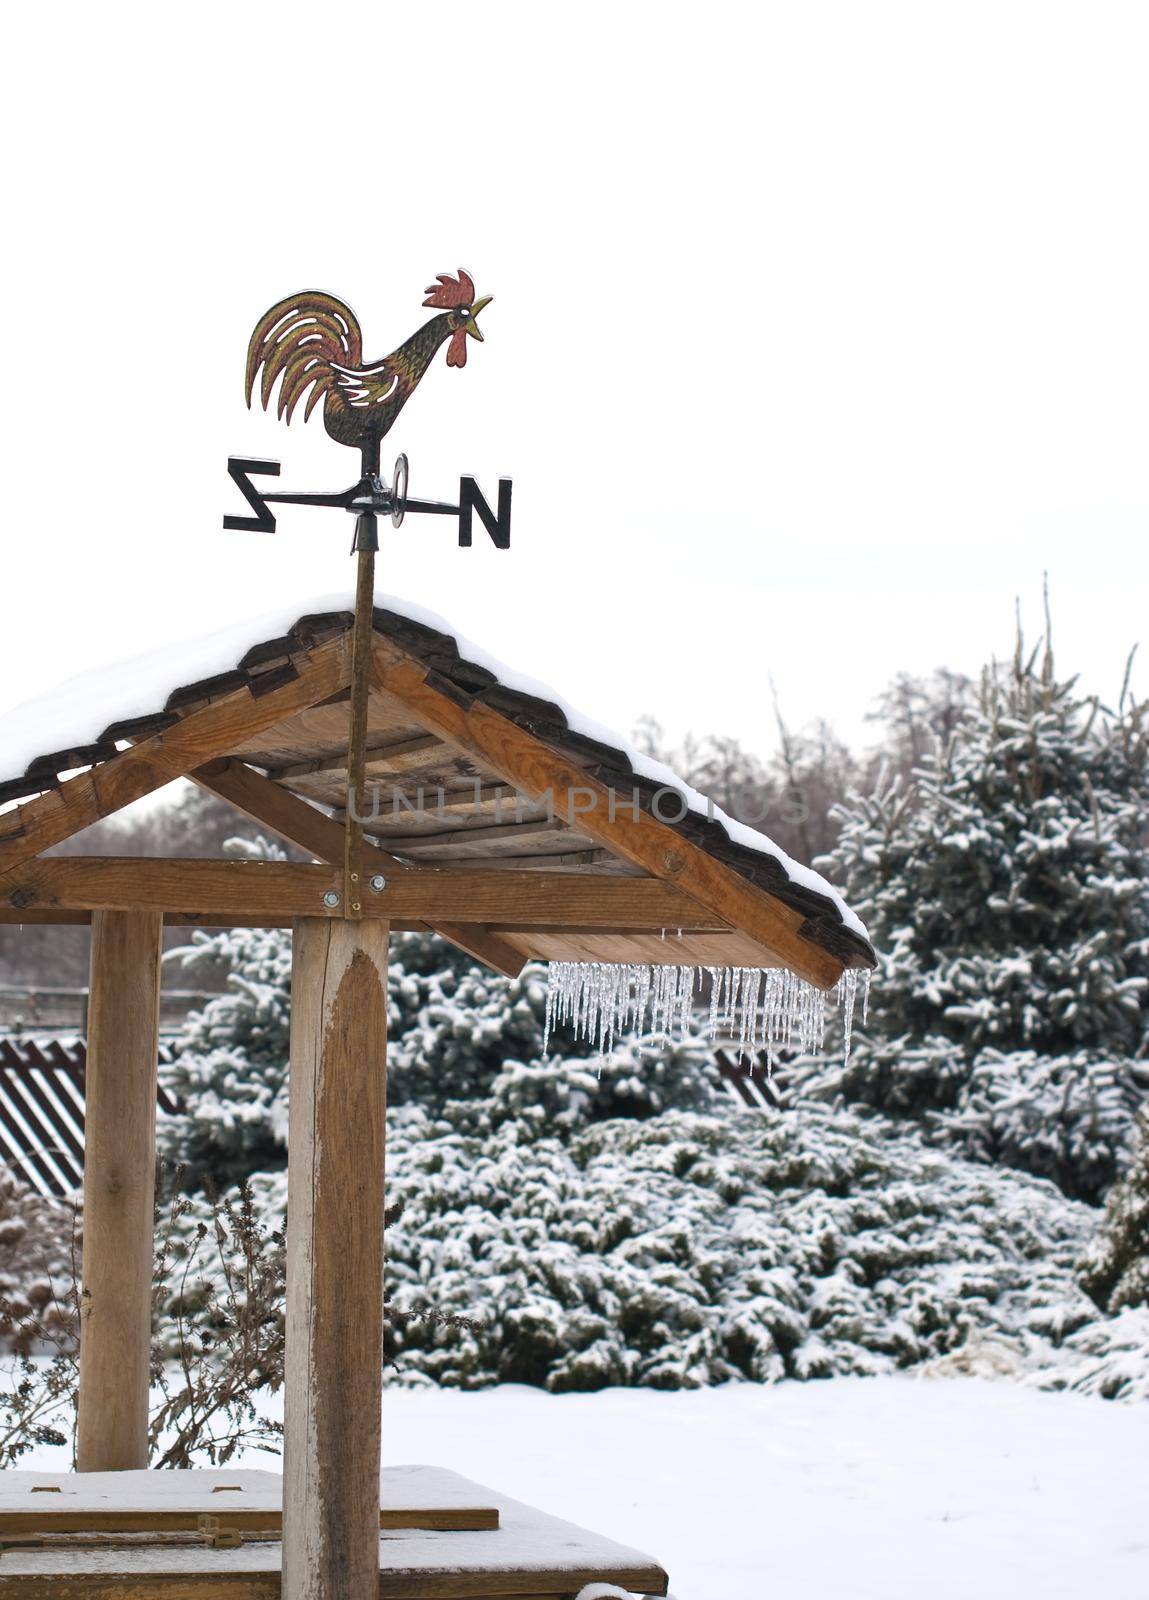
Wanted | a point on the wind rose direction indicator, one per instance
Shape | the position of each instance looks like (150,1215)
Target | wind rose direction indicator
(373,494)
(310,344)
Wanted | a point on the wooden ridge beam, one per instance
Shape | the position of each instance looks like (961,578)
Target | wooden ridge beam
(285,889)
(198,737)
(534,768)
(269,805)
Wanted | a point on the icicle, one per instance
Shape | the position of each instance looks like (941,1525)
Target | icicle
(686,1000)
(552,995)
(757,1035)
(715,979)
(763,1010)
(848,989)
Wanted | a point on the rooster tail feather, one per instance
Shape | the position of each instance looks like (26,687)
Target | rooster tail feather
(298,340)
(320,388)
(300,373)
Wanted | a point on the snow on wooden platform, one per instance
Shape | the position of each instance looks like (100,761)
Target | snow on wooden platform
(410,1497)
(529,1554)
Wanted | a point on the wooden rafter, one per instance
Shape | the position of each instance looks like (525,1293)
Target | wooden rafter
(534,768)
(482,942)
(140,770)
(298,822)
(268,805)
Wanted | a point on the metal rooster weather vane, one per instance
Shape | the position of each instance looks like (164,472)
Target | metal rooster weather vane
(312,341)
(311,344)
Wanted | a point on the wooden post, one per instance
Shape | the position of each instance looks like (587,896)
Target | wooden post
(334,1377)
(119,1190)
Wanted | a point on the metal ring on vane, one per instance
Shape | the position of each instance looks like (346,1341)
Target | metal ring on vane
(399,491)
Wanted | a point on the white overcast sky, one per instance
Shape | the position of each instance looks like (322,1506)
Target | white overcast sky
(819,331)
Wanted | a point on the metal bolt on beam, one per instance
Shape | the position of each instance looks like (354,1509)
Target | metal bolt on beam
(331,899)
(378,883)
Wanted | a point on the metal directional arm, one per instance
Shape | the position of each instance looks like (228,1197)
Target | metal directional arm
(372,495)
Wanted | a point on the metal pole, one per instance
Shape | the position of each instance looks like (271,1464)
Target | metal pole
(365,545)
(366,542)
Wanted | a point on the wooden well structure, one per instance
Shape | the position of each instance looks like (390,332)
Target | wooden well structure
(530,839)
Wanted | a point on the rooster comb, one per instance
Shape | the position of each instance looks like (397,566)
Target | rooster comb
(450,292)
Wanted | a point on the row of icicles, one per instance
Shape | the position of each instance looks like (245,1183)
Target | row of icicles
(759,1010)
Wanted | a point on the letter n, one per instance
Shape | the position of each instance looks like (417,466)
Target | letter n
(498,525)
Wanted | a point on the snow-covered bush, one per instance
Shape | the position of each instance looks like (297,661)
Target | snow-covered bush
(1108,1358)
(1116,1267)
(684,1249)
(687,1249)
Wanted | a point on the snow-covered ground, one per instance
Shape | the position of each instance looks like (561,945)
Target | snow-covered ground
(872,1489)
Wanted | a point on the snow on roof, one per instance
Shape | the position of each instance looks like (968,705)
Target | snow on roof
(75,714)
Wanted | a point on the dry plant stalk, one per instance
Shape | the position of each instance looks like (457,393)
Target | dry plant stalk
(217,1346)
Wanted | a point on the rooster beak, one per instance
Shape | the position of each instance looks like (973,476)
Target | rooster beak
(472,325)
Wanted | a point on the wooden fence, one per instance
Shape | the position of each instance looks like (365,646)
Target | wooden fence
(42,1111)
(42,1105)
(40,1011)
(749,1080)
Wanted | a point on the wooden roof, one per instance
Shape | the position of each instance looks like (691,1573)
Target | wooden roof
(494,810)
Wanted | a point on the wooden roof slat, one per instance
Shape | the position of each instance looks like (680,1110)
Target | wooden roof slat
(19,789)
(490,840)
(69,760)
(133,729)
(479,800)
(400,756)
(593,861)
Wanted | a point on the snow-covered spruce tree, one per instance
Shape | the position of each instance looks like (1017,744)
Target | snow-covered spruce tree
(230,1069)
(1007,892)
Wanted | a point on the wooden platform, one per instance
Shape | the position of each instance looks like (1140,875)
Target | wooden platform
(529,1556)
(173,1502)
